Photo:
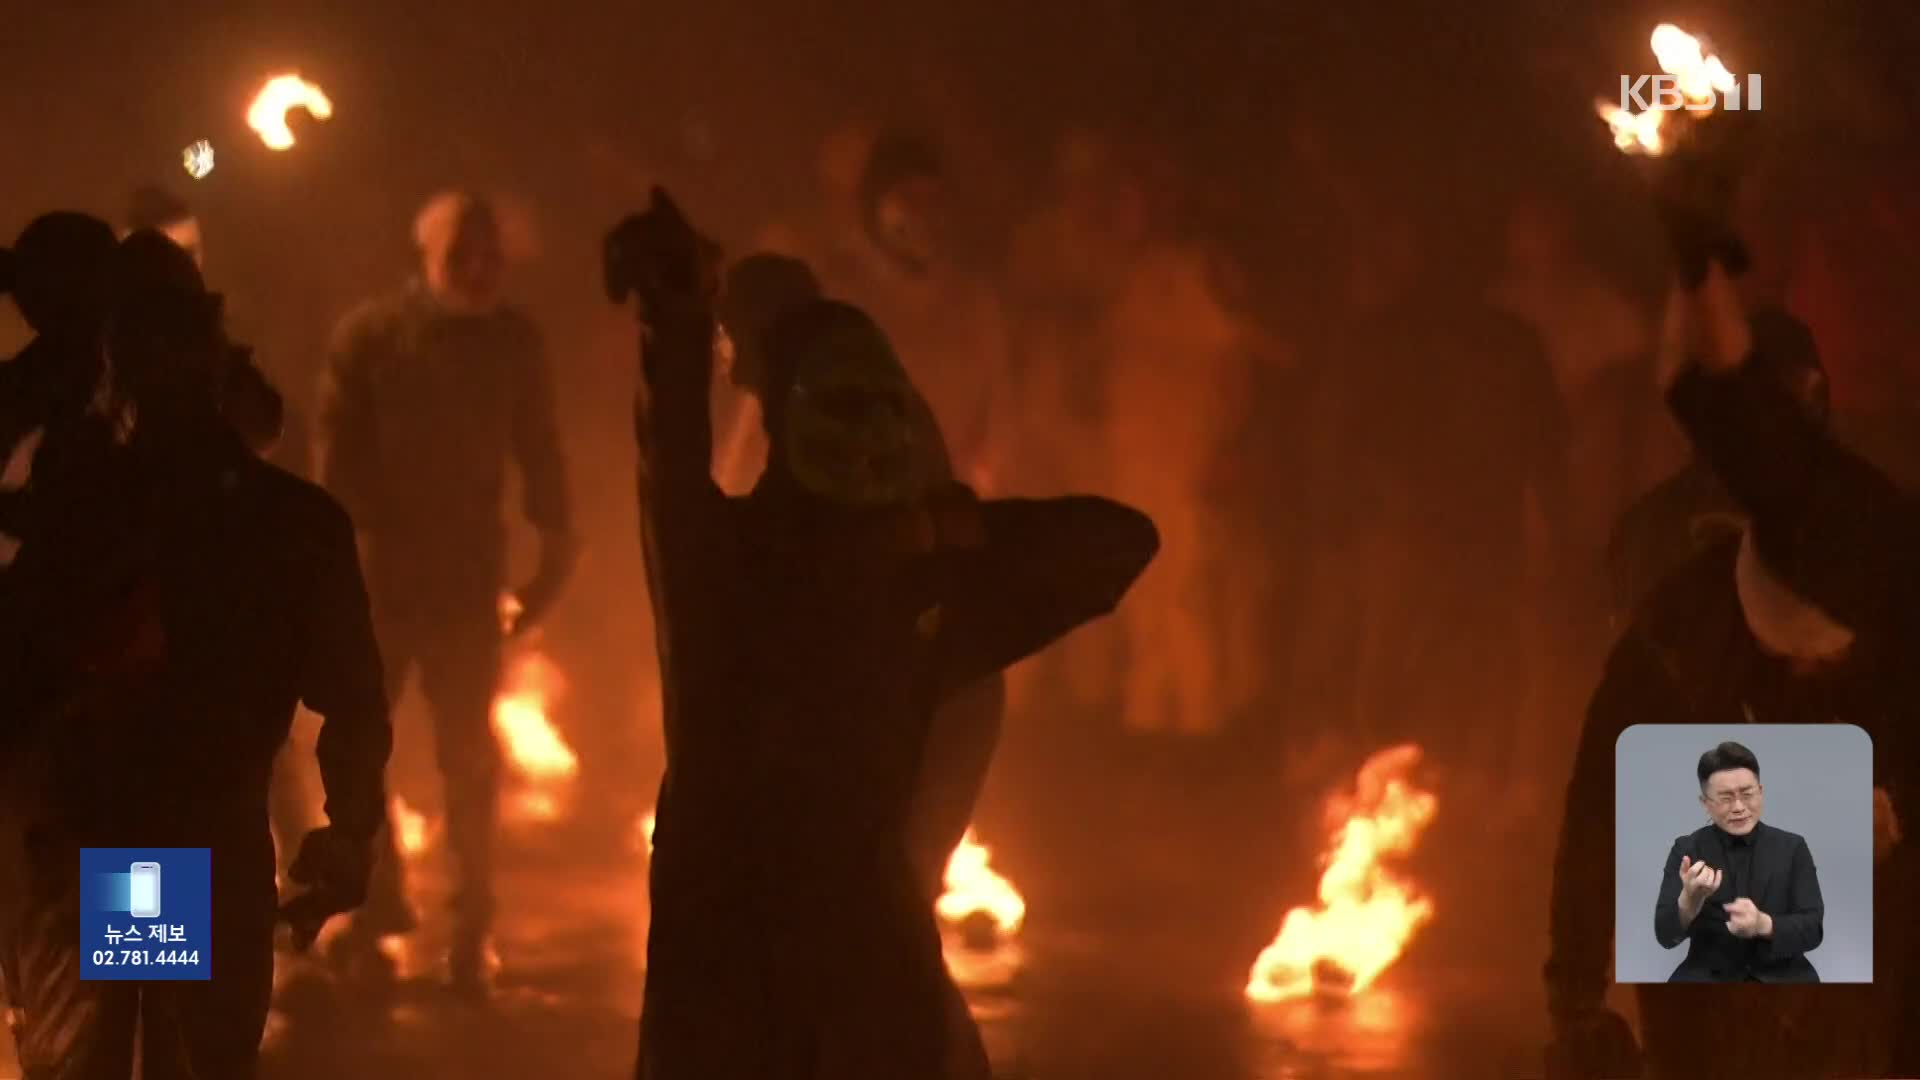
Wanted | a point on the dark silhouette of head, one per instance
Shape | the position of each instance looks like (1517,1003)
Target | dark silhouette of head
(55,270)
(902,201)
(838,408)
(1784,347)
(167,352)
(759,291)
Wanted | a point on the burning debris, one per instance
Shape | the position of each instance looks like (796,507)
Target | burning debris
(267,116)
(1366,914)
(534,748)
(198,159)
(1700,78)
(981,904)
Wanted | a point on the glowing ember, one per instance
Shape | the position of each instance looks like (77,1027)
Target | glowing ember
(410,830)
(1366,914)
(283,93)
(198,159)
(973,888)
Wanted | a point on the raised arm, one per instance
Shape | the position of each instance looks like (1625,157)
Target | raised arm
(1031,571)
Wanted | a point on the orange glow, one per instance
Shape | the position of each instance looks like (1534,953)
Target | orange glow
(535,749)
(643,833)
(973,888)
(1701,74)
(410,828)
(1366,914)
(267,116)
(1698,74)
(1635,133)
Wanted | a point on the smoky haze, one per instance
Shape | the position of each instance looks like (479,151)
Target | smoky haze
(1187,256)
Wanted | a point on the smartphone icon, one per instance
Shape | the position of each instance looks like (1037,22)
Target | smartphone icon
(145,893)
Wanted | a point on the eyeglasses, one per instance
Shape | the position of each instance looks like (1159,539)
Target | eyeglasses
(1727,799)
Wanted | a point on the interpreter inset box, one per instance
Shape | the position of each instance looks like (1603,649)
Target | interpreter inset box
(1743,853)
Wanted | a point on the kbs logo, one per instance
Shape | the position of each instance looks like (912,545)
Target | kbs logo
(1670,93)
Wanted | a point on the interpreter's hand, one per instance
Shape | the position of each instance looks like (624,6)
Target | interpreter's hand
(1746,921)
(1697,882)
(335,868)
(659,257)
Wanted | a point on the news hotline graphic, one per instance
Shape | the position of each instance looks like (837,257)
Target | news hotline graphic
(146,914)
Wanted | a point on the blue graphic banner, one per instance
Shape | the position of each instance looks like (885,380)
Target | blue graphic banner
(146,914)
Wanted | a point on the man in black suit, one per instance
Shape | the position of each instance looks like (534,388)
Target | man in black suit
(1742,894)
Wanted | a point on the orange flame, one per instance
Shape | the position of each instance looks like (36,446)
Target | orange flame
(643,833)
(268,114)
(1698,74)
(973,888)
(410,828)
(534,747)
(1366,914)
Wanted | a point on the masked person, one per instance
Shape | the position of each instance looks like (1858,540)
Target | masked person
(432,393)
(760,290)
(806,633)
(175,600)
(1804,615)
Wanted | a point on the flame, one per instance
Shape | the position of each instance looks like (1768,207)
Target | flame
(198,159)
(410,829)
(643,833)
(1635,133)
(1700,74)
(1366,914)
(534,748)
(973,888)
(268,113)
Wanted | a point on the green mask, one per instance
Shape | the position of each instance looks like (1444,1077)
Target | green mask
(849,421)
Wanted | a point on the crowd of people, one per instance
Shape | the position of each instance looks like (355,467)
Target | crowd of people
(844,558)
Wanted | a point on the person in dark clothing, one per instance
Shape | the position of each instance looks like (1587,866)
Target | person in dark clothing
(806,633)
(1691,510)
(52,272)
(249,399)
(1808,616)
(1742,894)
(431,394)
(175,600)
(758,291)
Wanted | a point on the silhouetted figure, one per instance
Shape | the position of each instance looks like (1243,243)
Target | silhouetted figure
(759,291)
(1691,510)
(175,600)
(1807,615)
(432,393)
(53,272)
(806,633)
(248,399)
